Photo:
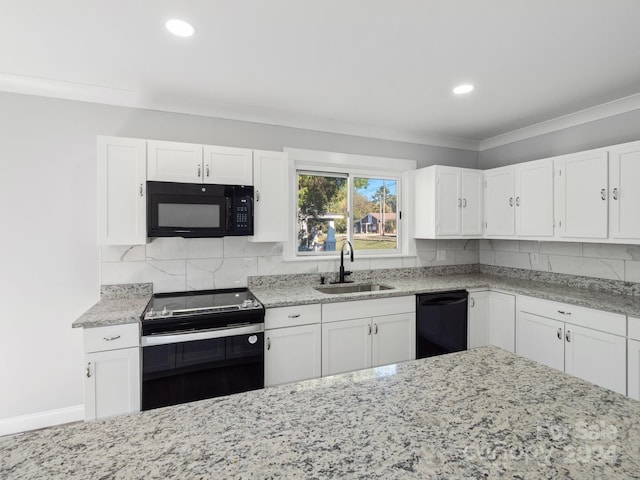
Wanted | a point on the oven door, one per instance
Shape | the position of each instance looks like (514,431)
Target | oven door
(179,368)
(186,210)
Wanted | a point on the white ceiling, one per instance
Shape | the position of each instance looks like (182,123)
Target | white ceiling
(379,68)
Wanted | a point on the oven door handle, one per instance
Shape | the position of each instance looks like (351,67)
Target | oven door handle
(168,338)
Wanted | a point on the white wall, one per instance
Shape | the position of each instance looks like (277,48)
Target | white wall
(50,264)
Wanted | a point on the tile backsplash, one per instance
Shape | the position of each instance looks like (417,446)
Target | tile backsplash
(176,264)
(599,260)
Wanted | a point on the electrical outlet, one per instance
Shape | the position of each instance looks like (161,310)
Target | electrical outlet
(534,259)
(441,255)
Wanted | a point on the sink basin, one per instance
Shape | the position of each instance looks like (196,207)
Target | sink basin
(353,288)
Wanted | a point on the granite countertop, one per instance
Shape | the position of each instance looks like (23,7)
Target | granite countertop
(284,295)
(125,303)
(482,413)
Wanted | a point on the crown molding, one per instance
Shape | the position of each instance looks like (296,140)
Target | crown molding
(616,107)
(30,85)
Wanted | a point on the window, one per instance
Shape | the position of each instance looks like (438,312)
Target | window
(335,207)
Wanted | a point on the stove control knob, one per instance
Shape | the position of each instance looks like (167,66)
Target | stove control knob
(164,312)
(246,304)
(256,304)
(151,313)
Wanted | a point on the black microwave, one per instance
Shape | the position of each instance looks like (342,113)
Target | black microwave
(198,210)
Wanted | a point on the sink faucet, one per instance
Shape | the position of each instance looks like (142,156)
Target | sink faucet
(342,273)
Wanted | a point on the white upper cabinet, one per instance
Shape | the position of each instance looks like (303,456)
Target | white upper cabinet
(519,200)
(624,191)
(499,202)
(174,162)
(190,163)
(228,166)
(582,195)
(534,199)
(271,184)
(448,202)
(122,208)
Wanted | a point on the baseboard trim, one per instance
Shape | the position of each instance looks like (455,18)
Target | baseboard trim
(44,419)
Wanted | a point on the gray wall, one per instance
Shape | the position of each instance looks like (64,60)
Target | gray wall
(50,262)
(600,133)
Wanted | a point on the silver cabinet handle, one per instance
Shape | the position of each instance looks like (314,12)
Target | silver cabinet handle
(109,339)
(257,195)
(199,171)
(207,170)
(511,201)
(464,202)
(562,312)
(268,343)
(141,191)
(615,194)
(603,194)
(517,201)
(376,329)
(89,370)
(473,302)
(459,202)
(568,336)
(559,334)
(294,315)
(369,329)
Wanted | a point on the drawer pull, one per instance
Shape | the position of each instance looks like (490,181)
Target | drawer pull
(109,339)
(294,315)
(562,312)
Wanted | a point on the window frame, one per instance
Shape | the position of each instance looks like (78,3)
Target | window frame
(354,166)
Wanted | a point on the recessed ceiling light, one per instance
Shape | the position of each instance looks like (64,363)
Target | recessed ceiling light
(462,89)
(180,28)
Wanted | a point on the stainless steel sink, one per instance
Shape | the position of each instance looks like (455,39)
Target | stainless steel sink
(353,288)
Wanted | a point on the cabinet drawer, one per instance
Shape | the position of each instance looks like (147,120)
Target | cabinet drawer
(334,312)
(292,316)
(634,328)
(112,337)
(581,316)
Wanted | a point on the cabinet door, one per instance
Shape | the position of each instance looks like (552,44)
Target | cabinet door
(271,183)
(292,354)
(540,339)
(472,202)
(448,202)
(597,357)
(228,166)
(122,202)
(624,194)
(582,206)
(502,321)
(174,162)
(634,369)
(499,202)
(478,319)
(346,346)
(112,383)
(534,199)
(394,339)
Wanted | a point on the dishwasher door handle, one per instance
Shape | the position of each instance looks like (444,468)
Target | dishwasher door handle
(445,301)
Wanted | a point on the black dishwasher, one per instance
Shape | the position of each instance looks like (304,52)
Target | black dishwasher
(441,323)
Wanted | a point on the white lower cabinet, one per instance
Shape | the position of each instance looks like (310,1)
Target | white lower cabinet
(502,321)
(633,358)
(367,333)
(491,320)
(292,354)
(112,371)
(557,335)
(292,344)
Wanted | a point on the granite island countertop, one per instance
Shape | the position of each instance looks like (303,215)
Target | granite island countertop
(482,413)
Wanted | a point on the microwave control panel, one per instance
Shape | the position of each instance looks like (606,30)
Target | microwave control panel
(242,215)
